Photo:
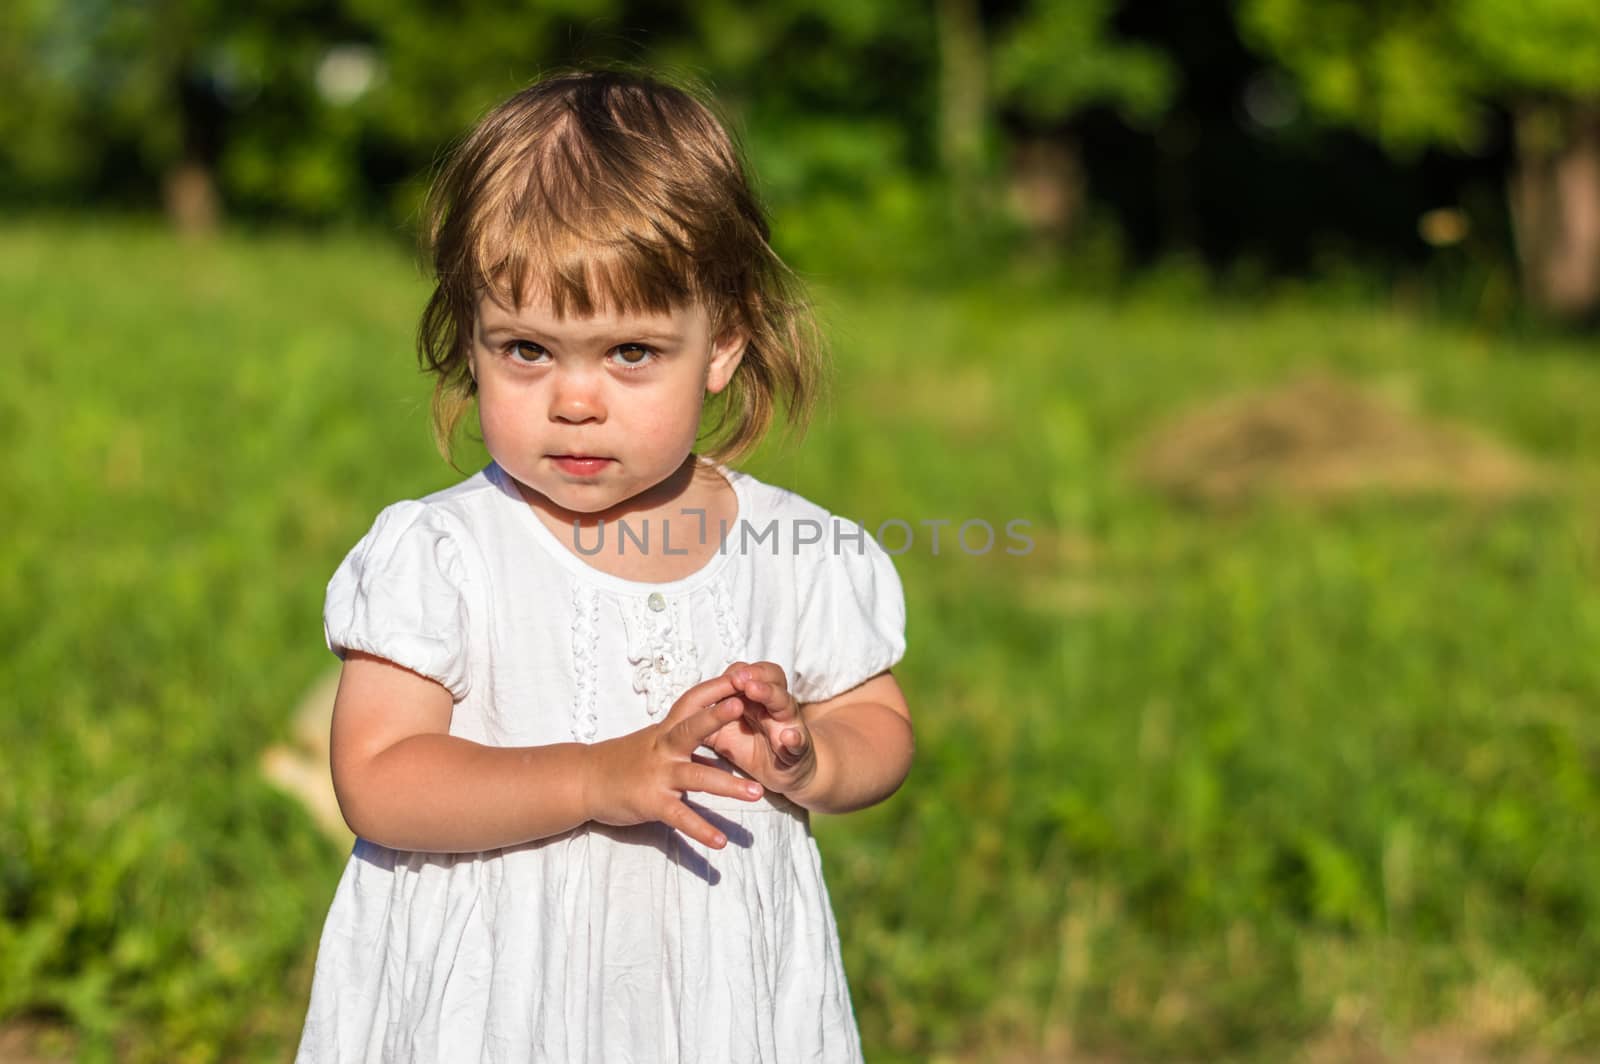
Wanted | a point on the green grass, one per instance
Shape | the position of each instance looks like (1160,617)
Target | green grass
(1188,785)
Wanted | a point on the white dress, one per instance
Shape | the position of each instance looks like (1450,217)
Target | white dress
(601,944)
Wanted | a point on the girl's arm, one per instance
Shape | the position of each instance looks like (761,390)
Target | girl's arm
(402,781)
(846,753)
(864,745)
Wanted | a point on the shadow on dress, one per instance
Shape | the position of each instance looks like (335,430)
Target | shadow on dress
(675,846)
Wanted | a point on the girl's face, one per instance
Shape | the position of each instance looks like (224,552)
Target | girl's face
(592,413)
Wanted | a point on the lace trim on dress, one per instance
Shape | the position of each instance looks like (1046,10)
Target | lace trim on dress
(662,652)
(585,655)
(727,626)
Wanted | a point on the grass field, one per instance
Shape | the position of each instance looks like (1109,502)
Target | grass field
(1268,783)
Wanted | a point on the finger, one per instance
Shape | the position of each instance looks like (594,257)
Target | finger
(690,732)
(702,694)
(764,672)
(737,749)
(727,737)
(771,672)
(753,712)
(704,778)
(766,682)
(766,734)
(779,705)
(766,728)
(769,725)
(796,743)
(680,816)
(719,743)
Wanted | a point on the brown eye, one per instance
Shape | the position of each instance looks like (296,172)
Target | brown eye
(632,356)
(526,352)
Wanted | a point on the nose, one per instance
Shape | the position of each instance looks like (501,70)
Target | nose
(576,397)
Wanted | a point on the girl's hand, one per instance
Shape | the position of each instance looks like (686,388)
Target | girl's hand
(770,741)
(645,775)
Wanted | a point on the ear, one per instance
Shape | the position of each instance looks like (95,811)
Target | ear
(727,351)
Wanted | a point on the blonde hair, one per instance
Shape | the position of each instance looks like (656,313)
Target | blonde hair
(609,189)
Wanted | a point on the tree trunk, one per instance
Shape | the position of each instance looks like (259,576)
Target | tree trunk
(963,101)
(1555,206)
(1046,183)
(190,198)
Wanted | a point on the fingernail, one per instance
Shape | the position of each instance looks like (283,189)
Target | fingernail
(743,675)
(719,840)
(753,790)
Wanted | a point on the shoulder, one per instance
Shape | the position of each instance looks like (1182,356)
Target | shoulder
(441,527)
(466,511)
(409,589)
(770,502)
(465,505)
(818,539)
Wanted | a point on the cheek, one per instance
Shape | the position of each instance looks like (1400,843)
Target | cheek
(487,410)
(497,416)
(656,408)
(677,419)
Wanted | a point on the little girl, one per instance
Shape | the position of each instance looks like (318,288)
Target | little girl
(591,694)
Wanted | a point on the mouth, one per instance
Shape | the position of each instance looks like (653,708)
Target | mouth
(579,464)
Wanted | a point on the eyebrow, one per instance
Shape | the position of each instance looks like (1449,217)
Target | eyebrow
(622,334)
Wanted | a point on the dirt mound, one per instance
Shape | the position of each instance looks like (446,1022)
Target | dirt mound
(1321,439)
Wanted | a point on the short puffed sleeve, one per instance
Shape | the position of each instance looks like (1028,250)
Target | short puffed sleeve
(852,618)
(398,596)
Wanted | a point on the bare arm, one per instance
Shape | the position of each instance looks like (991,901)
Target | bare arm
(864,745)
(404,782)
(846,753)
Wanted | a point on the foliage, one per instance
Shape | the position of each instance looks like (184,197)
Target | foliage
(1188,785)
(311,109)
(99,90)
(1416,73)
(1056,59)
(315,111)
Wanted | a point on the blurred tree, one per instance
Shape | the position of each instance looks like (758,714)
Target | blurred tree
(1417,72)
(963,101)
(108,98)
(848,96)
(1051,62)
(835,95)
(324,108)
(441,66)
(297,107)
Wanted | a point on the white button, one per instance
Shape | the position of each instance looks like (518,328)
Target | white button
(662,664)
(656,602)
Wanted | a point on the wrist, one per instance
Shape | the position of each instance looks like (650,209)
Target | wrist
(811,784)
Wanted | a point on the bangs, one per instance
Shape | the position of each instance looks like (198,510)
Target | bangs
(581,275)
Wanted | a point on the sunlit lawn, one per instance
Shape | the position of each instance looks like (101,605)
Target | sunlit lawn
(1189,785)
